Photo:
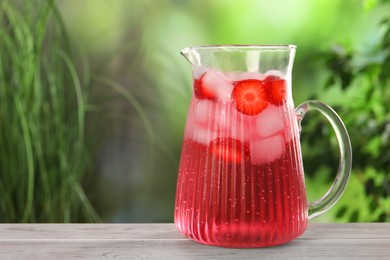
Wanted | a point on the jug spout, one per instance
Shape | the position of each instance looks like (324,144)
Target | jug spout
(191,55)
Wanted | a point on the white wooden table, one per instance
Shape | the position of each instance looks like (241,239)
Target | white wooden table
(163,241)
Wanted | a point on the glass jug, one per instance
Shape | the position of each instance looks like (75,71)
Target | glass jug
(241,181)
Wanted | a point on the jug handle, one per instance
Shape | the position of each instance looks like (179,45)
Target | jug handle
(330,198)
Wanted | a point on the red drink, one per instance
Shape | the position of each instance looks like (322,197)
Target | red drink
(240,180)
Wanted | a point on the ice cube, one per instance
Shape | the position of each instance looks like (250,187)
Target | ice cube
(267,150)
(217,82)
(211,115)
(228,122)
(270,121)
(238,129)
(201,123)
(203,111)
(202,135)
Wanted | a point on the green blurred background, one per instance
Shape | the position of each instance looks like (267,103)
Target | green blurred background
(94,96)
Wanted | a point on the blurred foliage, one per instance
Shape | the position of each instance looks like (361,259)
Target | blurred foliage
(358,87)
(133,91)
(43,148)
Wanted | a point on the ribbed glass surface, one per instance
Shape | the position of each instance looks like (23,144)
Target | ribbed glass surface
(240,181)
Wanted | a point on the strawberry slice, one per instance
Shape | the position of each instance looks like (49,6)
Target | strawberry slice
(202,91)
(212,85)
(228,149)
(275,89)
(249,96)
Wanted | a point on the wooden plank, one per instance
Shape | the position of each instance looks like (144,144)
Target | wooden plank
(168,231)
(89,231)
(163,241)
(185,249)
(348,231)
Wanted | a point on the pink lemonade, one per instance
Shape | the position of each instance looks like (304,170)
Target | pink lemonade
(240,181)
